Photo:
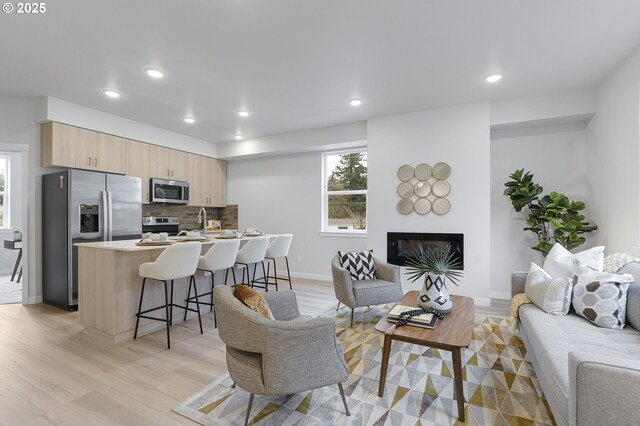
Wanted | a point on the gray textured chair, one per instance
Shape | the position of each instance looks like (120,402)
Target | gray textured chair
(385,288)
(290,354)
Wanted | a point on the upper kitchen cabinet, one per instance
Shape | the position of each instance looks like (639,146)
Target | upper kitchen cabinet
(219,195)
(70,146)
(137,164)
(199,180)
(166,163)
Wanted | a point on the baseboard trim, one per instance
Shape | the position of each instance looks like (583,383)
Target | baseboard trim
(505,295)
(34,300)
(482,302)
(317,277)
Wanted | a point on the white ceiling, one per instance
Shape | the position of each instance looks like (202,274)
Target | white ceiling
(294,64)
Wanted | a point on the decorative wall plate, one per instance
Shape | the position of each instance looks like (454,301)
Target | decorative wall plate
(422,189)
(441,206)
(405,190)
(405,173)
(441,188)
(422,206)
(405,206)
(423,171)
(441,171)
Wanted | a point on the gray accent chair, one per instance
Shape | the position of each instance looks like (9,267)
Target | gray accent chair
(290,354)
(385,288)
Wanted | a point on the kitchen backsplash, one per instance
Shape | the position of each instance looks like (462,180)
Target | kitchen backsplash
(188,215)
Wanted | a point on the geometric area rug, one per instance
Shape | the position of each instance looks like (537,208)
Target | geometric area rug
(500,385)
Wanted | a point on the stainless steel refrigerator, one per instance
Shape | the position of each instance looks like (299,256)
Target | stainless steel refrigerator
(80,206)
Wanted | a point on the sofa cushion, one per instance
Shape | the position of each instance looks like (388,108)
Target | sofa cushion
(552,338)
(552,295)
(601,298)
(633,294)
(375,292)
(559,261)
(361,265)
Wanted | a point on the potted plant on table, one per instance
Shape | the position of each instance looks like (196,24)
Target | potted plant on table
(437,265)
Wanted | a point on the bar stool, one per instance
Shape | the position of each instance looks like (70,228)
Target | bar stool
(253,252)
(177,261)
(279,247)
(222,256)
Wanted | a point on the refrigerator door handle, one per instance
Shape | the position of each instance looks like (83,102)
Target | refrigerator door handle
(110,216)
(105,217)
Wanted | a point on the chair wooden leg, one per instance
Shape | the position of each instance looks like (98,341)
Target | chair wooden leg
(344,400)
(246,419)
(338,307)
(352,317)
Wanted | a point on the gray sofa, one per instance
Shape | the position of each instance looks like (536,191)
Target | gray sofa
(589,375)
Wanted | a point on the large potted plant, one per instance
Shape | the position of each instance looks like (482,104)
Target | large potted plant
(436,265)
(554,218)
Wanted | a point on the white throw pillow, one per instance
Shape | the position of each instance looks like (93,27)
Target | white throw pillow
(602,298)
(552,295)
(559,261)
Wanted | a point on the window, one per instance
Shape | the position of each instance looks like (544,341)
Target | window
(344,191)
(4,192)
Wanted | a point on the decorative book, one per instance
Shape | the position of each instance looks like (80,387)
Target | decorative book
(422,320)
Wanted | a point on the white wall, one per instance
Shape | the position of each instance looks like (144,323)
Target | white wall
(458,136)
(613,154)
(8,258)
(18,126)
(557,157)
(283,195)
(52,109)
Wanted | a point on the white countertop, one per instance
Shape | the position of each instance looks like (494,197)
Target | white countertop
(130,245)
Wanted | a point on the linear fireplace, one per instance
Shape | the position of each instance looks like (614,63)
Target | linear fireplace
(401,245)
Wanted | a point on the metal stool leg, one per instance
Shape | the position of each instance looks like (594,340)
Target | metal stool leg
(171,305)
(135,333)
(288,272)
(195,291)
(187,301)
(166,302)
(233,272)
(266,276)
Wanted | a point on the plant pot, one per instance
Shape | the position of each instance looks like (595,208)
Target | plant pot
(434,294)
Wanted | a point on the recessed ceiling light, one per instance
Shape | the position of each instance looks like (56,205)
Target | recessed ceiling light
(111,93)
(243,113)
(189,120)
(152,72)
(238,137)
(493,78)
(355,102)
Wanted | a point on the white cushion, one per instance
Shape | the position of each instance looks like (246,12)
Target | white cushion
(559,261)
(552,295)
(602,298)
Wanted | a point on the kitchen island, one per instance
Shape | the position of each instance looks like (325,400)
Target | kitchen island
(109,288)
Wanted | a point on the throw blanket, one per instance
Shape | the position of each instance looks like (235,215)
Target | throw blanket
(517,301)
(614,262)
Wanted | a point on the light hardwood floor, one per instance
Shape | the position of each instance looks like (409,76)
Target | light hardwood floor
(52,373)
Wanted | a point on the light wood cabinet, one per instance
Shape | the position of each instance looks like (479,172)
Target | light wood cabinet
(207,181)
(137,164)
(167,163)
(70,146)
(219,194)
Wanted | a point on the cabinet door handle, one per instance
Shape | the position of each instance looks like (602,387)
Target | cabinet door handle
(168,173)
(147,196)
(95,161)
(88,161)
(171,173)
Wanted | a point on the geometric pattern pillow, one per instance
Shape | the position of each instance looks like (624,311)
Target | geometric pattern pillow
(602,298)
(552,295)
(360,265)
(559,261)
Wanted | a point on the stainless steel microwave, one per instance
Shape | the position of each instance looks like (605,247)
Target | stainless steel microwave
(169,191)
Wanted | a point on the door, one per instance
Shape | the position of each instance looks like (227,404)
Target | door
(198,180)
(124,194)
(109,154)
(85,146)
(219,181)
(159,162)
(137,164)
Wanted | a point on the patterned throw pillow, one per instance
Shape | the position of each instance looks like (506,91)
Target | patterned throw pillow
(552,295)
(559,261)
(253,300)
(360,265)
(602,298)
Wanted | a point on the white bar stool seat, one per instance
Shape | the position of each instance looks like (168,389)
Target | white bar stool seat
(176,261)
(221,256)
(253,253)
(279,247)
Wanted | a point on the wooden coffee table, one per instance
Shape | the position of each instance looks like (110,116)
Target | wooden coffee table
(451,333)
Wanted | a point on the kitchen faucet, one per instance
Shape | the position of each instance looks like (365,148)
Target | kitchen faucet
(200,219)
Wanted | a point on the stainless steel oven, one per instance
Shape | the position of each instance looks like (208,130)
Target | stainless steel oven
(169,191)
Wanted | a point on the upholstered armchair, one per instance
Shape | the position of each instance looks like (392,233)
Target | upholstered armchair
(385,288)
(290,354)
